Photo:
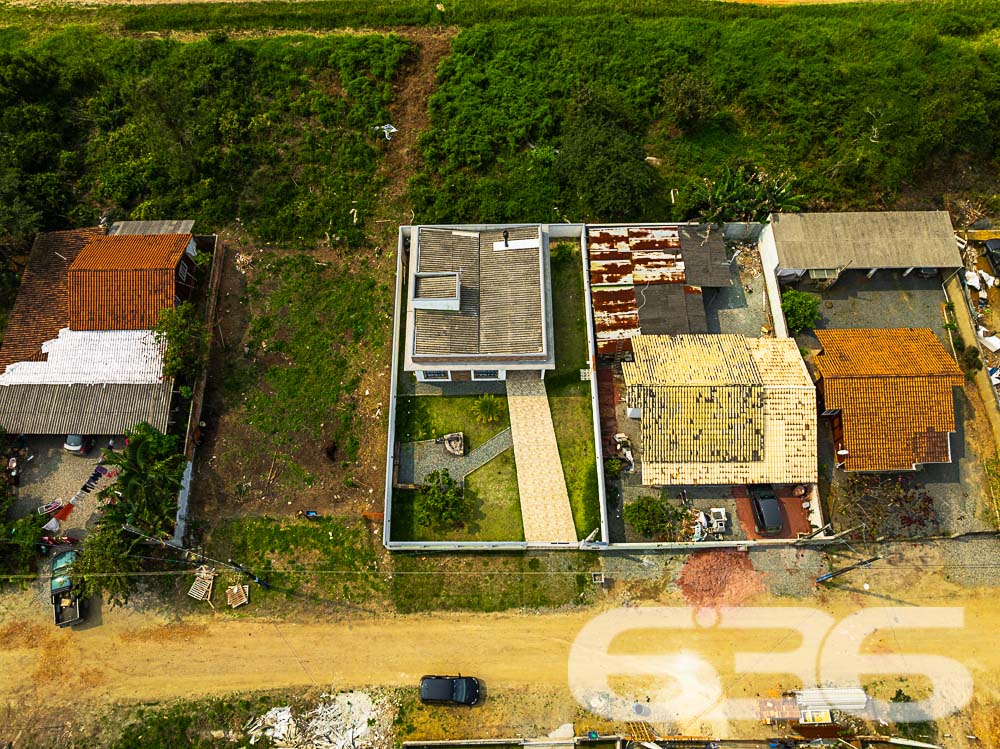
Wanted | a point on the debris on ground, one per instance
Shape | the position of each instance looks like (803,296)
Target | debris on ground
(748,259)
(237,595)
(244,262)
(349,720)
(201,588)
(719,578)
(278,726)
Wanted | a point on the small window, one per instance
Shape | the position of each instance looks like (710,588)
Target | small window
(486,374)
(436,375)
(182,271)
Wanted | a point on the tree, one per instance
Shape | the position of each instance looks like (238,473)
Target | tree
(652,516)
(487,408)
(601,166)
(441,501)
(801,309)
(150,468)
(689,99)
(746,194)
(187,339)
(106,565)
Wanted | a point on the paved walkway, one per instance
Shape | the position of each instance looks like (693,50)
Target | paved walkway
(417,459)
(545,505)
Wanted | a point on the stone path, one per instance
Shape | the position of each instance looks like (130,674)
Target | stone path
(545,505)
(417,459)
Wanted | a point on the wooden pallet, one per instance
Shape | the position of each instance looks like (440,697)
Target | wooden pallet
(201,588)
(237,595)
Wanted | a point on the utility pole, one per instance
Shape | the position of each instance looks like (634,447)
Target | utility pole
(844,570)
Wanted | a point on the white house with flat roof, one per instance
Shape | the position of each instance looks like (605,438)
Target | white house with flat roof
(478,303)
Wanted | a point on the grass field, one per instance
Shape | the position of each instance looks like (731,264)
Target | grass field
(496,508)
(569,397)
(490,582)
(425,417)
(324,561)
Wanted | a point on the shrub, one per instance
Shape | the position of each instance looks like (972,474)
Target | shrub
(441,501)
(689,99)
(613,467)
(801,309)
(601,165)
(970,360)
(652,516)
(187,340)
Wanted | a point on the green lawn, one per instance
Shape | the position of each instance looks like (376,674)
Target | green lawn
(424,417)
(491,582)
(297,375)
(569,397)
(496,513)
(329,560)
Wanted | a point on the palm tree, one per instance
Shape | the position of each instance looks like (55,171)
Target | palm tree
(149,477)
(487,409)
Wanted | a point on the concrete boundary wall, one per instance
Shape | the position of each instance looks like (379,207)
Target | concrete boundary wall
(744,231)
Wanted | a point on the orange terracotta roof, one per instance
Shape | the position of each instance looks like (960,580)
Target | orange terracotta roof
(894,390)
(132,252)
(867,352)
(41,308)
(122,282)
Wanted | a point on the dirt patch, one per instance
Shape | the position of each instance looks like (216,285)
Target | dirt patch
(166,633)
(720,578)
(23,635)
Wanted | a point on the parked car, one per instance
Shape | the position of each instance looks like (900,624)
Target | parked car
(78,444)
(449,690)
(993,253)
(766,510)
(66,606)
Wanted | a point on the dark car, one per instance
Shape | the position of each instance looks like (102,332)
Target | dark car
(766,510)
(449,690)
(993,253)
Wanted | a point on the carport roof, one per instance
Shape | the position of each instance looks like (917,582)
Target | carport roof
(887,239)
(83,409)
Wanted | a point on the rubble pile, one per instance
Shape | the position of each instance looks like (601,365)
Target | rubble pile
(278,726)
(349,720)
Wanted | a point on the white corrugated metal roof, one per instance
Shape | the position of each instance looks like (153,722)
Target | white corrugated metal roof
(837,698)
(93,357)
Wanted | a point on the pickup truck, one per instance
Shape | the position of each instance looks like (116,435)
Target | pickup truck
(66,606)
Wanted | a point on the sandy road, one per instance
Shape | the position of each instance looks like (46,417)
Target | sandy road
(131,656)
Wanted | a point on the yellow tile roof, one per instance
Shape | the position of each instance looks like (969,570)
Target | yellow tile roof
(723,409)
(893,388)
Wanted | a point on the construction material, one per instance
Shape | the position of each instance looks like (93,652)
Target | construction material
(237,595)
(639,730)
(350,720)
(836,698)
(201,588)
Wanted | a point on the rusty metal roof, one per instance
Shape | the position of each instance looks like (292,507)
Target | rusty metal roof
(631,269)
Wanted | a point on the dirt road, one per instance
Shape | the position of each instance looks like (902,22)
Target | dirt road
(130,656)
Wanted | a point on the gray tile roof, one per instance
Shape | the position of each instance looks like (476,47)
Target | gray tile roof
(500,309)
(704,251)
(888,239)
(671,309)
(151,227)
(83,409)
